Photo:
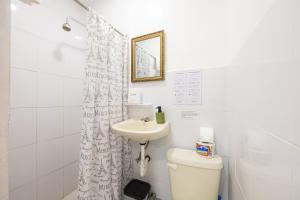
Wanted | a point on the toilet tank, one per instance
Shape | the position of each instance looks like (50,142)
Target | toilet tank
(193,177)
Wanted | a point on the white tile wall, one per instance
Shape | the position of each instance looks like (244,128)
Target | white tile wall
(73,92)
(71,148)
(51,187)
(70,178)
(50,58)
(22,166)
(46,78)
(26,192)
(22,127)
(23,50)
(262,103)
(23,88)
(49,123)
(74,61)
(72,120)
(49,156)
(50,90)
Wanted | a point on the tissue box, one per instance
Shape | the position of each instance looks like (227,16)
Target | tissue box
(206,134)
(205,149)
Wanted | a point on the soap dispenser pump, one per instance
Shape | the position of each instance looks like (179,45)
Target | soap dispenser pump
(160,116)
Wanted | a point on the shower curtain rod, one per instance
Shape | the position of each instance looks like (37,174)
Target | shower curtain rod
(87,9)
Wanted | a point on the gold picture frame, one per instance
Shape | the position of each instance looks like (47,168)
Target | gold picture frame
(134,65)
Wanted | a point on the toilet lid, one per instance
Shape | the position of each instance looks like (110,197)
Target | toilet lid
(193,159)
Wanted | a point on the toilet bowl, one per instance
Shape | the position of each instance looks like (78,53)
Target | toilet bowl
(193,177)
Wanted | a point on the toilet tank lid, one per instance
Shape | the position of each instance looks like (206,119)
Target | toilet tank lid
(193,159)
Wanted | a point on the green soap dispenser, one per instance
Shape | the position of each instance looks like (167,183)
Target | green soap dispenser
(160,116)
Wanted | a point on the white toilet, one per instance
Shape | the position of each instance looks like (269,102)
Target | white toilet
(193,177)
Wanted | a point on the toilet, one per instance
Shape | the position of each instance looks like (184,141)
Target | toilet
(193,177)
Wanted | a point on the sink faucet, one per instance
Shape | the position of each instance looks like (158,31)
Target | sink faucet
(146,119)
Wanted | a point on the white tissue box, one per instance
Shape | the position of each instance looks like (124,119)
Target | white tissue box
(206,135)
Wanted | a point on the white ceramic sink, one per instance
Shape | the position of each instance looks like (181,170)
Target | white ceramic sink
(141,131)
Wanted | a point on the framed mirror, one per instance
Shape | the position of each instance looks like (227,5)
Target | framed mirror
(147,57)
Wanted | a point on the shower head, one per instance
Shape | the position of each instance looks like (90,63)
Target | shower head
(66,26)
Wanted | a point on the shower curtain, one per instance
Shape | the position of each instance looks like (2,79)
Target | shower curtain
(105,159)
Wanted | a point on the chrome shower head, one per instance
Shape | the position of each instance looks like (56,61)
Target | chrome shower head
(66,26)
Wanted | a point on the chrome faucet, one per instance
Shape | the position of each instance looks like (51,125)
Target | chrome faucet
(146,119)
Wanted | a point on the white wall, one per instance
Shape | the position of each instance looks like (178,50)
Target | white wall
(252,102)
(196,37)
(263,99)
(4,94)
(197,27)
(46,88)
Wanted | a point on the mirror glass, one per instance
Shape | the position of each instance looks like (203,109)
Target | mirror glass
(147,57)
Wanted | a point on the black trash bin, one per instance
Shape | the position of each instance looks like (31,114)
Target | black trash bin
(137,189)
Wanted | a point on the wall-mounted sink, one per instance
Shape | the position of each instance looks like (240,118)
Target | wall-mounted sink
(141,131)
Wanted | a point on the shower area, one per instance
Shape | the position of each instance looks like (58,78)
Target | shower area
(50,99)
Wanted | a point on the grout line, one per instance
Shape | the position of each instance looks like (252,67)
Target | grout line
(26,107)
(22,146)
(41,37)
(36,153)
(19,187)
(238,182)
(46,73)
(71,134)
(49,140)
(23,69)
(277,137)
(43,176)
(56,170)
(36,135)
(63,142)
(42,141)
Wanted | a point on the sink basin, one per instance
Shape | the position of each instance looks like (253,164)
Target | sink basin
(141,131)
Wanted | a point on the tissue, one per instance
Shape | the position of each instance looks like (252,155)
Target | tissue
(206,135)
(206,145)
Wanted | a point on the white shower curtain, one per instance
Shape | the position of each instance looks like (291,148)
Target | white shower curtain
(105,159)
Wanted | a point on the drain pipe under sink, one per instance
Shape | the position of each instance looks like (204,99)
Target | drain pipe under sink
(144,159)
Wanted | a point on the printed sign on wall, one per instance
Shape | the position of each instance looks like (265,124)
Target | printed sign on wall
(187,87)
